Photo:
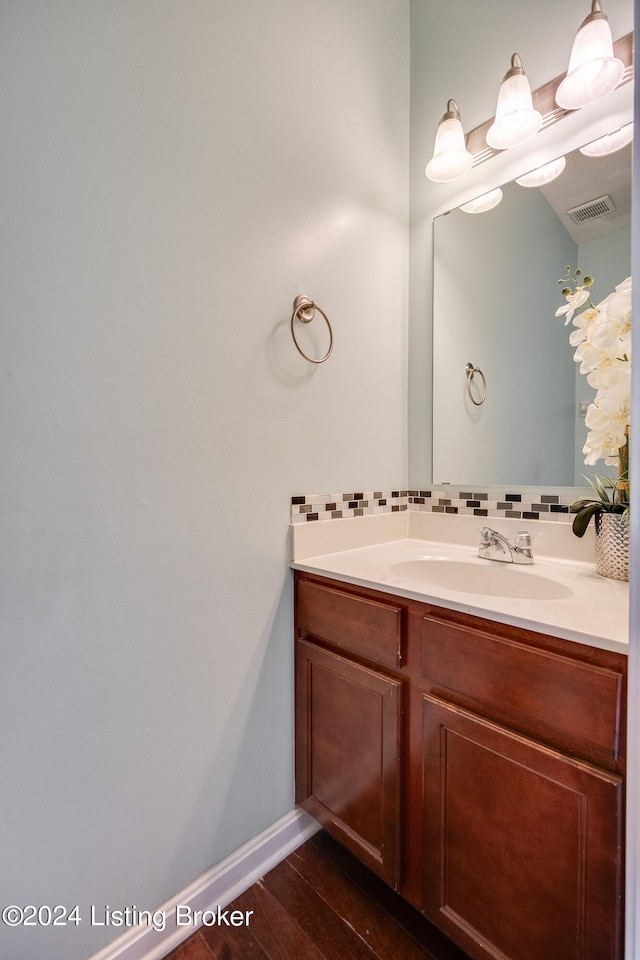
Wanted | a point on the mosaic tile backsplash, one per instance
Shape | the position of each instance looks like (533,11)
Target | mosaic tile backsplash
(496,503)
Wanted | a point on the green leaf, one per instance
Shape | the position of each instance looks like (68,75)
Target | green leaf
(581,504)
(583,518)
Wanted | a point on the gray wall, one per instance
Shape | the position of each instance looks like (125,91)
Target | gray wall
(173,173)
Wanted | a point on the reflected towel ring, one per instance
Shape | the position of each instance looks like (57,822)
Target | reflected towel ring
(471,370)
(304,310)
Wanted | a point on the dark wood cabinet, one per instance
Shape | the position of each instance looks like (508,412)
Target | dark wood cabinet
(477,767)
(524,843)
(348,764)
(348,721)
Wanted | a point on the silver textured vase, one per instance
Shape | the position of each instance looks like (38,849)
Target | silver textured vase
(612,545)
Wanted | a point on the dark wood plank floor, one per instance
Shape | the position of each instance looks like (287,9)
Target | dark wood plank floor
(321,904)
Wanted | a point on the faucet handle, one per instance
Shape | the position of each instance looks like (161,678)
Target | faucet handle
(487,534)
(523,540)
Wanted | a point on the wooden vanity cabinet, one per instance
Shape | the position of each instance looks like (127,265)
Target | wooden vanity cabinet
(523,791)
(477,767)
(348,721)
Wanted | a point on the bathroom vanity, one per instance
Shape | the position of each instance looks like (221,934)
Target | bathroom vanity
(475,764)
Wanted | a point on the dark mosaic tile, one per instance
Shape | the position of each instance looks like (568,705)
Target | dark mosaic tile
(395,508)
(559,508)
(336,514)
(466,496)
(331,506)
(481,496)
(363,503)
(382,503)
(550,498)
(516,514)
(472,503)
(513,497)
(444,503)
(352,504)
(312,516)
(503,506)
(378,495)
(358,512)
(437,509)
(395,493)
(540,507)
(418,499)
(425,493)
(451,509)
(358,496)
(307,508)
(530,515)
(412,493)
(481,513)
(403,506)
(295,501)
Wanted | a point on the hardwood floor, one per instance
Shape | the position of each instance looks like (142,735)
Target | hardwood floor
(321,904)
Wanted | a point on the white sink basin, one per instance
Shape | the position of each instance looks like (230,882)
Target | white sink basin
(487,577)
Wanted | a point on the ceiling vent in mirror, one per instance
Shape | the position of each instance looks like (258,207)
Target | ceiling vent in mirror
(592,210)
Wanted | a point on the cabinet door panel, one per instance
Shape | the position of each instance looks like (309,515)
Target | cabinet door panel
(348,754)
(522,845)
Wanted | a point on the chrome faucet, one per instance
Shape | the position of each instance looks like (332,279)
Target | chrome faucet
(496,547)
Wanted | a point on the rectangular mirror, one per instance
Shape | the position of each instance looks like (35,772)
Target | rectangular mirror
(495,295)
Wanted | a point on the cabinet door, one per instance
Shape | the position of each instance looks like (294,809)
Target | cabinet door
(348,754)
(523,844)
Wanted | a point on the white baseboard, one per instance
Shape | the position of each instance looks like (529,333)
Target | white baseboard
(217,887)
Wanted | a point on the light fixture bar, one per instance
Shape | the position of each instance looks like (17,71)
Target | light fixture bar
(544,101)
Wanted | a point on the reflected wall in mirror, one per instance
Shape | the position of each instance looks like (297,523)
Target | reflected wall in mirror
(495,295)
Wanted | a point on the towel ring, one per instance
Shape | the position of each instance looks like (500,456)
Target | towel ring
(470,371)
(304,309)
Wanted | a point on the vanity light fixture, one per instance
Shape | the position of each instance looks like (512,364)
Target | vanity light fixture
(609,143)
(593,70)
(516,120)
(486,202)
(544,174)
(451,159)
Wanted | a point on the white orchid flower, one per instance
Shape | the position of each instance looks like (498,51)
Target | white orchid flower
(602,339)
(593,357)
(574,300)
(585,322)
(625,287)
(609,421)
(615,406)
(603,445)
(610,376)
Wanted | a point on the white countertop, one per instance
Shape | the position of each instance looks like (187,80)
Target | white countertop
(593,609)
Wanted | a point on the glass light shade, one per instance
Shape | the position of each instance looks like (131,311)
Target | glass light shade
(451,159)
(609,143)
(593,70)
(516,121)
(544,174)
(486,202)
